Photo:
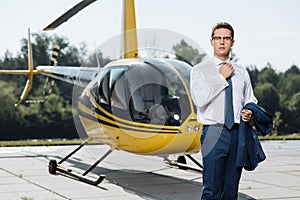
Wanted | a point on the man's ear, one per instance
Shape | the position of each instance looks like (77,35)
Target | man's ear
(232,43)
(211,42)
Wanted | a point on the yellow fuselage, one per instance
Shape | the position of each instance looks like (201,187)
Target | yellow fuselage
(144,138)
(140,137)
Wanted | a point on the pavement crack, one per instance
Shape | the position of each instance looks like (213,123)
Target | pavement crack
(33,183)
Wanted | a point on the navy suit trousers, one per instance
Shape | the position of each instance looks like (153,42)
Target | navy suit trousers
(220,174)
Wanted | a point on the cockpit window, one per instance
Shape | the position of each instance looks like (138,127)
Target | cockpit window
(103,89)
(112,95)
(118,88)
(183,68)
(146,92)
(111,88)
(157,95)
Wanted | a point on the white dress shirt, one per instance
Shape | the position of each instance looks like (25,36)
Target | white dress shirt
(208,91)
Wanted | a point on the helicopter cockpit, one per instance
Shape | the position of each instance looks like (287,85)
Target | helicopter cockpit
(146,91)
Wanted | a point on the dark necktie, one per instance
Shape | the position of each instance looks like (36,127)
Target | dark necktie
(229,116)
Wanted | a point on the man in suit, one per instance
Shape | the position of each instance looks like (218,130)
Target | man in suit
(220,89)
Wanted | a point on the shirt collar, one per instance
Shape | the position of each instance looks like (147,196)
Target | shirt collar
(218,61)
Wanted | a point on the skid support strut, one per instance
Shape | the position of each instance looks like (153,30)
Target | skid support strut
(55,167)
(182,164)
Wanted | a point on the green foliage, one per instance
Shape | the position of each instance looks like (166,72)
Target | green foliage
(268,97)
(96,60)
(268,75)
(276,121)
(7,111)
(294,111)
(233,56)
(290,85)
(279,94)
(27,198)
(48,142)
(253,73)
(187,53)
(294,103)
(51,119)
(292,70)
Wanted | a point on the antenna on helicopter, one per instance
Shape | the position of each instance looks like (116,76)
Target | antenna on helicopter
(97,57)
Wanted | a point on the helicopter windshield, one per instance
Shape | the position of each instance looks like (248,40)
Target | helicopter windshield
(147,92)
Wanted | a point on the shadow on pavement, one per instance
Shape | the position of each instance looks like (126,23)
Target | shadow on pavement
(149,185)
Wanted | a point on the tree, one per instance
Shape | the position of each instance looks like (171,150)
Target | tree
(292,70)
(11,119)
(294,103)
(294,112)
(53,118)
(96,59)
(7,96)
(267,97)
(290,85)
(233,56)
(187,53)
(277,122)
(253,73)
(268,75)
(37,120)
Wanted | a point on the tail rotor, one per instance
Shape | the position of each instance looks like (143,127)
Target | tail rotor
(30,72)
(47,93)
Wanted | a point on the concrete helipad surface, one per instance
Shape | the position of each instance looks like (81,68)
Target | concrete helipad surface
(24,175)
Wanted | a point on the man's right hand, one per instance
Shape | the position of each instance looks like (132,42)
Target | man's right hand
(226,70)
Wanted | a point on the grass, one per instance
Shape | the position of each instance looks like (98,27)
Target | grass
(295,136)
(27,198)
(55,142)
(49,142)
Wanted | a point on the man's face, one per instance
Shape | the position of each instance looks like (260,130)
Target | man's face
(222,43)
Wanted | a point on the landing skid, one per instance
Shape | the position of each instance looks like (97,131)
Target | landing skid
(182,164)
(57,168)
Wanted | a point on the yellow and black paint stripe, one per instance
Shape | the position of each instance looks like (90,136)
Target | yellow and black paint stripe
(102,116)
(55,53)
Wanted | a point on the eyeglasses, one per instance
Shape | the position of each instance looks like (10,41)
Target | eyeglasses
(219,38)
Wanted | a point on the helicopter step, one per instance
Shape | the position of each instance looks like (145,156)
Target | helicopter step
(182,164)
(55,168)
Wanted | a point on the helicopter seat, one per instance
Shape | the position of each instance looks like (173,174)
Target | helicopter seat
(157,114)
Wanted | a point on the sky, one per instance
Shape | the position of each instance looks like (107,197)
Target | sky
(266,31)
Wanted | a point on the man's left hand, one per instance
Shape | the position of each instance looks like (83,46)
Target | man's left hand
(246,115)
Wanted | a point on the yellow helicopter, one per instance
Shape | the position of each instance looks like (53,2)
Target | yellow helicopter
(134,104)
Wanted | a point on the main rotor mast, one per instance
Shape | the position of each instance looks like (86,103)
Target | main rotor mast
(130,35)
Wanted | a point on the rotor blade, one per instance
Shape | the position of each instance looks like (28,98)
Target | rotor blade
(70,13)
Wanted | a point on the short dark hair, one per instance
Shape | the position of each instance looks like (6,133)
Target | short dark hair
(222,25)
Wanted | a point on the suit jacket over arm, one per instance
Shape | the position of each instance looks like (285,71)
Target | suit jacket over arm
(250,152)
